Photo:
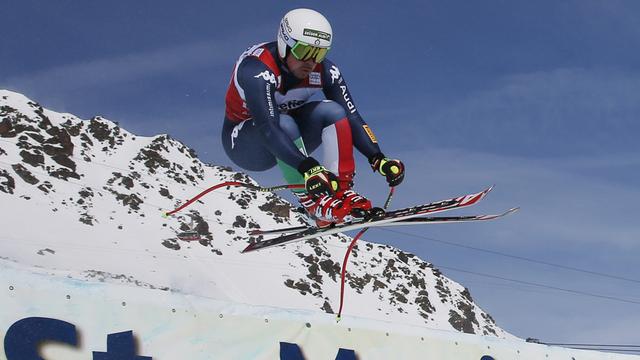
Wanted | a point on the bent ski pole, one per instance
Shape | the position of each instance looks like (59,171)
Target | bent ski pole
(232,183)
(346,256)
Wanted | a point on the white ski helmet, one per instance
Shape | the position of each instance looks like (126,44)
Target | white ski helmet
(304,27)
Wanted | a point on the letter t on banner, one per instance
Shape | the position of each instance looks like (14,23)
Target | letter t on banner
(344,354)
(290,351)
(120,346)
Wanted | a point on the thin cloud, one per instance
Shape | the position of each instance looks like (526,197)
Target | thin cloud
(576,111)
(560,206)
(124,68)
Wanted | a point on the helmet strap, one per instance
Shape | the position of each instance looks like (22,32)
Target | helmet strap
(283,61)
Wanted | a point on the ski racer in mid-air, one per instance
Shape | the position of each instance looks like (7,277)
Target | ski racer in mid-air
(275,115)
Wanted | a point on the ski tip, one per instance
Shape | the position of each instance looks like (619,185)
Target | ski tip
(251,247)
(484,192)
(475,197)
(508,212)
(165,214)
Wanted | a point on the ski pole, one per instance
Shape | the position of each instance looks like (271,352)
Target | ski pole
(232,183)
(346,256)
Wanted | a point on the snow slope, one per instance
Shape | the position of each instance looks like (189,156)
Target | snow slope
(83,199)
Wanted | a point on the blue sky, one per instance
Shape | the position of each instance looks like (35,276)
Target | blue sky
(540,98)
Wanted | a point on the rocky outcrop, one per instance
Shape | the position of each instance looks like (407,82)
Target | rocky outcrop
(106,177)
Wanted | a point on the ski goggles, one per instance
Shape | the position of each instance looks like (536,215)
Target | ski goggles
(304,52)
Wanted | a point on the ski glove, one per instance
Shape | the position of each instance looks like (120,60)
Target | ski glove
(319,181)
(392,169)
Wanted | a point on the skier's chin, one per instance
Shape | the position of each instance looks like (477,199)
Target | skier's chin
(302,73)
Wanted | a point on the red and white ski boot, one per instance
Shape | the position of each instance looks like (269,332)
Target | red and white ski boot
(360,206)
(326,209)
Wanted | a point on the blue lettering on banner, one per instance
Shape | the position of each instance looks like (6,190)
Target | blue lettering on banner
(290,351)
(23,338)
(120,346)
(344,354)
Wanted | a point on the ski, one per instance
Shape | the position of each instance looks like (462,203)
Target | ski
(256,232)
(388,217)
(446,219)
(297,228)
(410,221)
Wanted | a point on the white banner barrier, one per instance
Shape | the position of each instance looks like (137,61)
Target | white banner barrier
(116,322)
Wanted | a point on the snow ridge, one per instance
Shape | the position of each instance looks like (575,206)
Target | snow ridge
(91,194)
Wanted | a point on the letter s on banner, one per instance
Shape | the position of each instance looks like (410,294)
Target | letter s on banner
(22,340)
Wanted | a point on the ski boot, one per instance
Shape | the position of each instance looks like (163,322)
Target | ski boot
(326,209)
(360,206)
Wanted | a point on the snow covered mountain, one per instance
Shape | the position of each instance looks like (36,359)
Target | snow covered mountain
(83,199)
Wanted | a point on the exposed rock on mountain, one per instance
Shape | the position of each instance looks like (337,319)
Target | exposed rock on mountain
(91,195)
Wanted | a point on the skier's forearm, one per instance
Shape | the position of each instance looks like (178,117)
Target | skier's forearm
(336,89)
(363,138)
